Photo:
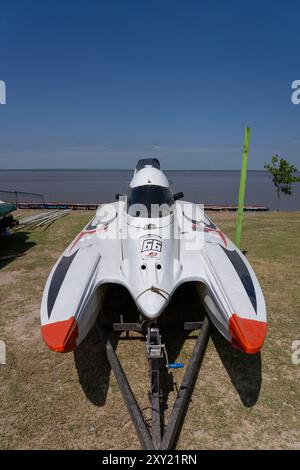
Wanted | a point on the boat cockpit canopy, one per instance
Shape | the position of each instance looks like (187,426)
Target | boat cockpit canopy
(149,201)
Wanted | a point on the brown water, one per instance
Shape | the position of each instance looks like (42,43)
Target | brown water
(94,186)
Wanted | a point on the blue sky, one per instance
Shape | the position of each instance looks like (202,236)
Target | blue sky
(99,84)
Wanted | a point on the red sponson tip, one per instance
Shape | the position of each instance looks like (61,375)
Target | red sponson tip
(61,336)
(247,335)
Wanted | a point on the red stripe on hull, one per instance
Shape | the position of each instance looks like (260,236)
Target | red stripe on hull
(80,235)
(218,231)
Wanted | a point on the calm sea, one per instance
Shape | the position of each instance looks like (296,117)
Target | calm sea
(95,186)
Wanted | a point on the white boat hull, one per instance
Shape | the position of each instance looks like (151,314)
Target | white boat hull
(151,258)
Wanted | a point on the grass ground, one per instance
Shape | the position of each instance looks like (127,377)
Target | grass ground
(70,401)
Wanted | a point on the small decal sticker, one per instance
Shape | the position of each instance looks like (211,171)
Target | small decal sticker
(151,254)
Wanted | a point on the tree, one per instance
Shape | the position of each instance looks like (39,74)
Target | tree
(283,176)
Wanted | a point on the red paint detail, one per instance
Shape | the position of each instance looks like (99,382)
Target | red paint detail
(61,336)
(80,235)
(151,254)
(222,236)
(103,228)
(247,335)
(219,232)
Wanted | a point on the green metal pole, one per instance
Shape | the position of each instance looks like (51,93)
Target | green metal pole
(239,222)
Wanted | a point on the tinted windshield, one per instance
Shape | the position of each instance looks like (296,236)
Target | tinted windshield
(149,201)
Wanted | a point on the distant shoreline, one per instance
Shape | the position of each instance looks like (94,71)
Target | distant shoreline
(118,169)
(212,187)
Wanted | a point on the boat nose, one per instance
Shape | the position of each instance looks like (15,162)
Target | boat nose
(152,302)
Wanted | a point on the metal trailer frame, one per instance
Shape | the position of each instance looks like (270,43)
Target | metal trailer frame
(162,437)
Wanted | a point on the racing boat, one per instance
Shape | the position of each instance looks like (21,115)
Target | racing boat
(151,241)
(6,218)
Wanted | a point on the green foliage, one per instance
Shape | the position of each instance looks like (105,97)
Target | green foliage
(283,174)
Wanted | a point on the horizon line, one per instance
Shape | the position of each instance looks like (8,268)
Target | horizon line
(121,169)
